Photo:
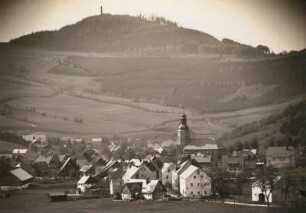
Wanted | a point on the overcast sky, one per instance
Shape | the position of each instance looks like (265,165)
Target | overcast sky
(279,24)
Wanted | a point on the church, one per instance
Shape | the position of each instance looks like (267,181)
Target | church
(197,147)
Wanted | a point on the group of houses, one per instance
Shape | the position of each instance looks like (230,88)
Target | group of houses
(148,178)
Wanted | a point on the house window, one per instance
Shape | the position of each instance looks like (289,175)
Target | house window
(167,177)
(198,192)
(194,177)
(168,170)
(191,184)
(201,176)
(191,193)
(198,184)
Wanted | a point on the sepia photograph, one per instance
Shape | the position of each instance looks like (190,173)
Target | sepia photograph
(153,106)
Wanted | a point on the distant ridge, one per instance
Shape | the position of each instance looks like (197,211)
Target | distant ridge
(125,33)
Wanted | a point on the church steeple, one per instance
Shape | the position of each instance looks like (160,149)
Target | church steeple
(183,132)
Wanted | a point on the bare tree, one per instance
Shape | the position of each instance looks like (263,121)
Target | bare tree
(220,183)
(287,183)
(266,178)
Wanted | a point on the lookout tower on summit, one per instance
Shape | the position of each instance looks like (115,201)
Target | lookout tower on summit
(183,132)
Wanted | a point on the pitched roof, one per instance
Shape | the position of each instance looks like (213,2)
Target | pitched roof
(202,147)
(61,157)
(83,179)
(130,172)
(21,174)
(42,166)
(97,160)
(134,188)
(109,165)
(150,187)
(65,164)
(134,161)
(42,158)
(166,166)
(189,171)
(147,188)
(202,159)
(279,151)
(182,167)
(115,173)
(149,165)
(81,162)
(159,149)
(86,168)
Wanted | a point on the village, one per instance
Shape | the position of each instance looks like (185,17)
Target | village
(184,168)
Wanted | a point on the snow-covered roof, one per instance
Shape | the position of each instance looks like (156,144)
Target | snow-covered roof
(114,147)
(130,172)
(143,181)
(189,171)
(21,174)
(150,187)
(159,150)
(20,151)
(83,179)
(202,159)
(136,162)
(85,168)
(96,140)
(203,147)
(66,162)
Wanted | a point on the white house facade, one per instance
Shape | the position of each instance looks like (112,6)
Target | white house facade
(194,183)
(260,195)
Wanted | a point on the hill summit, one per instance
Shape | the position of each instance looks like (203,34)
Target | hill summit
(120,33)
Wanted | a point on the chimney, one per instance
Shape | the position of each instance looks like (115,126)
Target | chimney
(101,9)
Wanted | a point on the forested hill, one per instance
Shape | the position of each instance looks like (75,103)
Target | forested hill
(130,34)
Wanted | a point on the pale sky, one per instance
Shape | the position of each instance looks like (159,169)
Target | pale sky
(279,24)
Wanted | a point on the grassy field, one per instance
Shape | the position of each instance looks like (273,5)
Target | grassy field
(200,83)
(37,201)
(97,117)
(124,95)
(7,147)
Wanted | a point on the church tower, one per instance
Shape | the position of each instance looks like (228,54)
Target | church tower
(183,132)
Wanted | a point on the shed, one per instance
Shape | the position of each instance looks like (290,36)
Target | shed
(85,183)
(57,196)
